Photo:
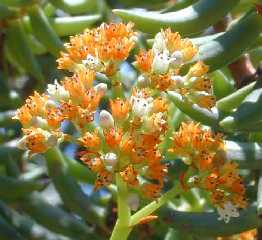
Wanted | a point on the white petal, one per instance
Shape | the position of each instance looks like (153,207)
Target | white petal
(101,88)
(110,159)
(160,63)
(159,44)
(106,119)
(57,91)
(93,63)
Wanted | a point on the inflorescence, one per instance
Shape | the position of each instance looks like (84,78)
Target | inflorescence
(127,137)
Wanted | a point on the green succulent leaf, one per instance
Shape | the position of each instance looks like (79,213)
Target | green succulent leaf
(248,115)
(55,219)
(228,47)
(193,111)
(18,47)
(69,190)
(12,188)
(44,32)
(187,21)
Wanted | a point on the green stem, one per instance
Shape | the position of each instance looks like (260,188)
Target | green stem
(125,223)
(121,229)
(153,206)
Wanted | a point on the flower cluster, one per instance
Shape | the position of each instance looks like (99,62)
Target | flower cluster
(100,49)
(161,67)
(75,99)
(204,151)
(128,143)
(127,138)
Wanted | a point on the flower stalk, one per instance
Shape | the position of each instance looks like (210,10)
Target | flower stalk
(121,229)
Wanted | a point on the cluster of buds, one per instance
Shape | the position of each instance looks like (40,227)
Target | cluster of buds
(128,136)
(161,67)
(204,152)
(101,49)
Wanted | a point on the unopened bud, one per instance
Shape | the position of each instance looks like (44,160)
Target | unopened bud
(160,63)
(101,88)
(106,119)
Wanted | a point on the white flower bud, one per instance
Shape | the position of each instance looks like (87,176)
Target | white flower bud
(141,106)
(133,201)
(93,63)
(176,59)
(101,88)
(106,119)
(160,63)
(227,212)
(57,91)
(159,44)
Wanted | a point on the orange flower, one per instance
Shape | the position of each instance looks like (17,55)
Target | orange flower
(53,117)
(103,178)
(206,101)
(157,171)
(205,160)
(84,117)
(198,69)
(86,78)
(129,175)
(68,110)
(188,49)
(202,84)
(211,181)
(65,61)
(34,106)
(90,140)
(160,105)
(138,155)
(144,60)
(36,140)
(173,40)
(149,141)
(109,42)
(161,82)
(75,88)
(127,145)
(113,137)
(120,108)
(91,99)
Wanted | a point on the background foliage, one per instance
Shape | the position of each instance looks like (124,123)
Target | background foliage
(229,36)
